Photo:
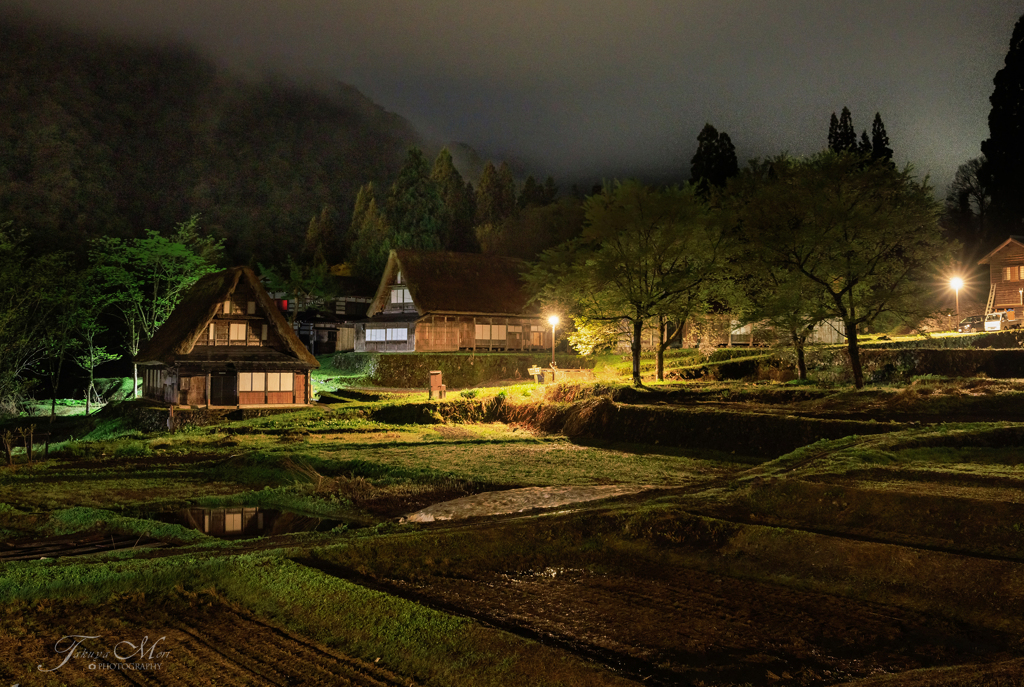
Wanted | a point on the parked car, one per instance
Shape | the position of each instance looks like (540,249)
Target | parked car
(998,321)
(974,323)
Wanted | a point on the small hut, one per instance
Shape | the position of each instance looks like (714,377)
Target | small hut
(226,344)
(1006,278)
(443,301)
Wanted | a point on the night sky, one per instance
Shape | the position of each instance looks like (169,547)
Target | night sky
(609,88)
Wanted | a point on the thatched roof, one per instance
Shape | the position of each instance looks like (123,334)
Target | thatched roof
(174,341)
(459,283)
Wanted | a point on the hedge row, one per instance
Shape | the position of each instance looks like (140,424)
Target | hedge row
(1007,339)
(898,365)
(458,370)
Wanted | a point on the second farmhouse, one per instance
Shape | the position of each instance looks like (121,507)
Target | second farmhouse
(442,301)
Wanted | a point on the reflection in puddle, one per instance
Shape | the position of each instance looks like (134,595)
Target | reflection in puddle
(245,522)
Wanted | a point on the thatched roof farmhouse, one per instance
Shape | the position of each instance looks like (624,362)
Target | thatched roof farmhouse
(226,344)
(442,301)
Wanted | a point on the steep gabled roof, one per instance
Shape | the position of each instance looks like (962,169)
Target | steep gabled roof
(463,283)
(1019,240)
(174,340)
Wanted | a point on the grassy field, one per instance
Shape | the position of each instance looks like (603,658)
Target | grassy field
(891,556)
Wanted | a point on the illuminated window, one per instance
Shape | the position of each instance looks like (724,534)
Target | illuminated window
(376,334)
(251,308)
(227,307)
(263,333)
(280,381)
(400,296)
(238,331)
(398,334)
(251,381)
(211,335)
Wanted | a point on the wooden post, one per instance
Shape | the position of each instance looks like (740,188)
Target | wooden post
(207,390)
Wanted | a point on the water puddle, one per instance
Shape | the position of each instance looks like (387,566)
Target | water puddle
(239,522)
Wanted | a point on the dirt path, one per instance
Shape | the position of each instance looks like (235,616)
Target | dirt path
(520,500)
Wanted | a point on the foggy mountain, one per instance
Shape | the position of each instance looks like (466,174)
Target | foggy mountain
(102,136)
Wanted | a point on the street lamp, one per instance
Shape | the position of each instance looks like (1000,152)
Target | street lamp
(553,321)
(957,283)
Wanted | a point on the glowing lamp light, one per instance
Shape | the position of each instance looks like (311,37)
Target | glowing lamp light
(957,283)
(553,321)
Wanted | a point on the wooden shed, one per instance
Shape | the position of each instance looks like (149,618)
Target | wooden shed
(226,344)
(1006,277)
(443,301)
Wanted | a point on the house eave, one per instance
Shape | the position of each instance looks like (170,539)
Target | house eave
(1019,240)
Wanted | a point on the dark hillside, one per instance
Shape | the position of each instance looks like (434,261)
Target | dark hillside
(99,136)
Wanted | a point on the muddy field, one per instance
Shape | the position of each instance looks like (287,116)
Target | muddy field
(702,628)
(895,557)
(187,639)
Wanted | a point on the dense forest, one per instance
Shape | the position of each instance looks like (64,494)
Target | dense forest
(103,137)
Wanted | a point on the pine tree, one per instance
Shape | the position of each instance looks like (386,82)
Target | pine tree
(506,191)
(496,194)
(458,204)
(1004,149)
(715,160)
(414,210)
(864,147)
(366,193)
(321,237)
(880,149)
(841,136)
(370,244)
(532,193)
(550,191)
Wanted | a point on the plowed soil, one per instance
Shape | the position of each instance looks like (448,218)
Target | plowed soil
(700,628)
(206,640)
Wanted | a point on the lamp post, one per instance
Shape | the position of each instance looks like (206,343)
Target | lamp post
(957,283)
(553,321)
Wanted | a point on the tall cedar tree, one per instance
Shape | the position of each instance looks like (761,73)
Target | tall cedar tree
(841,136)
(880,149)
(495,195)
(1004,149)
(865,236)
(368,237)
(714,162)
(414,209)
(321,241)
(459,203)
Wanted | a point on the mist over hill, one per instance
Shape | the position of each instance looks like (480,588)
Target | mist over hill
(106,137)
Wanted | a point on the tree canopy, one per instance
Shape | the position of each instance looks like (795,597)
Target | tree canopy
(644,253)
(147,277)
(864,237)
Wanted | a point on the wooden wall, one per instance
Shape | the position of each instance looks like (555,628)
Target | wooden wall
(1008,291)
(438,333)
